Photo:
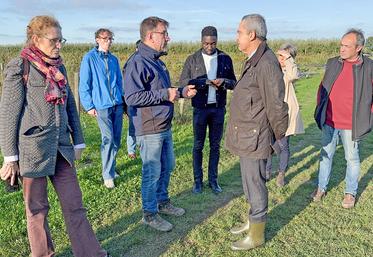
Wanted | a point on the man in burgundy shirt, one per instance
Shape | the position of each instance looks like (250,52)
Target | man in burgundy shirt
(344,110)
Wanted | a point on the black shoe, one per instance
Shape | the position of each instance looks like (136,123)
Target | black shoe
(197,188)
(215,188)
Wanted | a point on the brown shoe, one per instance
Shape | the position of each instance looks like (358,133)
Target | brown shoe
(317,195)
(280,180)
(168,209)
(157,222)
(348,201)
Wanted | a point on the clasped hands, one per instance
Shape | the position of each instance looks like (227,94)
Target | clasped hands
(217,82)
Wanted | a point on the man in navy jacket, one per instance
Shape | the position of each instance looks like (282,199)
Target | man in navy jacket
(211,71)
(150,99)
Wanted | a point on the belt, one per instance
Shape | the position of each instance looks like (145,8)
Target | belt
(211,105)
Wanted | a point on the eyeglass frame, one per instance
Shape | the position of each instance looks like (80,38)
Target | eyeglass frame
(54,41)
(164,33)
(107,39)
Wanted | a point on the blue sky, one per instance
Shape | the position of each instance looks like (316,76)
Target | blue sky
(317,19)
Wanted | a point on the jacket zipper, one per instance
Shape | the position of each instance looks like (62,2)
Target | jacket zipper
(108,77)
(353,129)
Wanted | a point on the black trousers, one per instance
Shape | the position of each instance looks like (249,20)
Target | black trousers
(253,173)
(213,118)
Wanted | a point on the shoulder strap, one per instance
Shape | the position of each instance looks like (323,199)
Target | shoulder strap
(26,70)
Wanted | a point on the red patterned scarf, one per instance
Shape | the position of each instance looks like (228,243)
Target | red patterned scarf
(55,91)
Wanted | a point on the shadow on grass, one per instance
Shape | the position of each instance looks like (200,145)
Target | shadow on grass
(364,181)
(128,237)
(282,214)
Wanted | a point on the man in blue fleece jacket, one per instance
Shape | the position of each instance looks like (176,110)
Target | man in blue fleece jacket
(150,99)
(101,94)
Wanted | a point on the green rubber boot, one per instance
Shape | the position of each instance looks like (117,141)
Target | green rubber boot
(254,238)
(241,228)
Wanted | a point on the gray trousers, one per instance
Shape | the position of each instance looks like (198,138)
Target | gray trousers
(253,173)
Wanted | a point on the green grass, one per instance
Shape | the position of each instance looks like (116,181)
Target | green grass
(296,226)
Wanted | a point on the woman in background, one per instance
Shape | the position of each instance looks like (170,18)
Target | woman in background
(286,56)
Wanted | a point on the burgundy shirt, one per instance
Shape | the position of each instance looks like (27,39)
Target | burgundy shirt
(340,104)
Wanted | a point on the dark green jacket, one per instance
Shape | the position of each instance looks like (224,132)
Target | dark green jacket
(258,113)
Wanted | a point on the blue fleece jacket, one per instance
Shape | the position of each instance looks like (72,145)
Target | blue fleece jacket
(146,83)
(100,84)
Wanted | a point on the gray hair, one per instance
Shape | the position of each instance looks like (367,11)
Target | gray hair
(149,24)
(257,23)
(291,49)
(360,39)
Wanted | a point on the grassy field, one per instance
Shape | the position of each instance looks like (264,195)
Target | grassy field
(296,226)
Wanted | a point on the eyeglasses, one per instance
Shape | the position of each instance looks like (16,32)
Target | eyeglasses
(107,39)
(54,41)
(164,33)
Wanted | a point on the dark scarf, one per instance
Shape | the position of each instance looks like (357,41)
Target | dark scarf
(55,91)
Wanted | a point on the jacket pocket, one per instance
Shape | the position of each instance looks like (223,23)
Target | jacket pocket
(245,138)
(68,153)
(35,147)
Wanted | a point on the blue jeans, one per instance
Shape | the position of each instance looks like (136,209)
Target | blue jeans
(213,118)
(329,141)
(158,161)
(110,121)
(131,143)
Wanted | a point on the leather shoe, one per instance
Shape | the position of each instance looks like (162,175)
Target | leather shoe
(215,188)
(197,188)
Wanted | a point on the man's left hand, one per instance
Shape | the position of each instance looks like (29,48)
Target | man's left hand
(78,153)
(189,91)
(217,82)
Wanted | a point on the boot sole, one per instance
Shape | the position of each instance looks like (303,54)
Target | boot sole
(234,248)
(158,229)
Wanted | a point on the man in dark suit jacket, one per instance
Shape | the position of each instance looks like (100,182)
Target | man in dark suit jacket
(211,71)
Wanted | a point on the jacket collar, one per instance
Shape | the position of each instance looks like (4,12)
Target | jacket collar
(101,53)
(149,52)
(361,59)
(201,63)
(258,54)
(254,59)
(217,51)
